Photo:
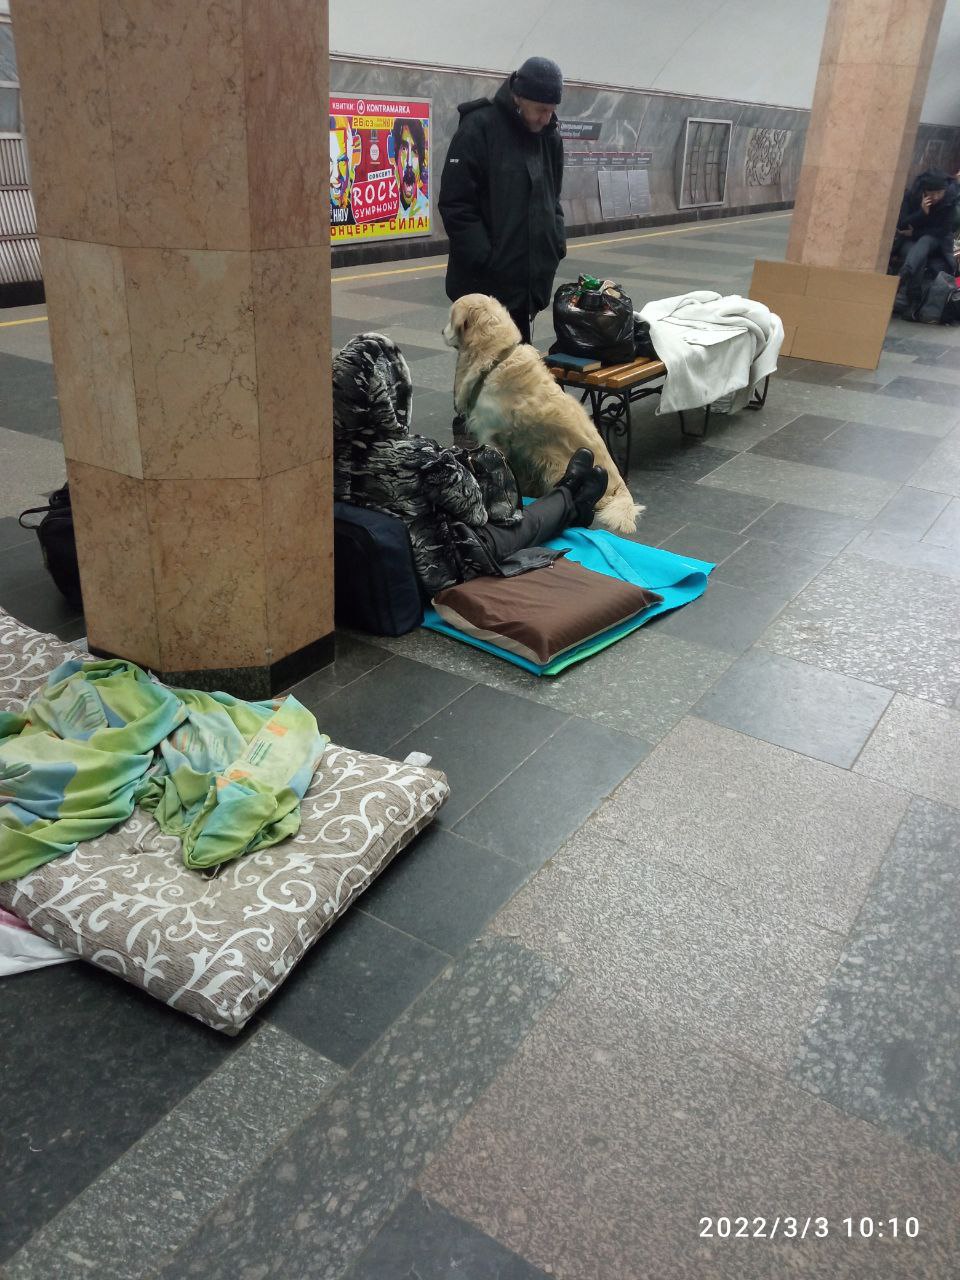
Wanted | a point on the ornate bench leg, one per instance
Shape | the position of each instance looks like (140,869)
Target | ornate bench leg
(691,434)
(759,398)
(615,423)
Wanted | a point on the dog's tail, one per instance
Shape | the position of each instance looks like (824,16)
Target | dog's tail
(617,510)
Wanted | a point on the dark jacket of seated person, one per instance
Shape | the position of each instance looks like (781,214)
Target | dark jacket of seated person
(379,462)
(925,225)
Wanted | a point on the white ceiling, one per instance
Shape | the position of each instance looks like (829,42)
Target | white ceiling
(750,50)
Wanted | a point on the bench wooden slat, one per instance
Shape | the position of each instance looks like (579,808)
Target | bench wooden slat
(617,376)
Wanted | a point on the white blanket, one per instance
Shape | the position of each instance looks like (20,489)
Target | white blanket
(712,347)
(22,949)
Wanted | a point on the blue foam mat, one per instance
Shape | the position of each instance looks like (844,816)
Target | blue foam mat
(679,579)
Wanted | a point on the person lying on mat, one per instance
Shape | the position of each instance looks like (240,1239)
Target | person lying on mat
(460,526)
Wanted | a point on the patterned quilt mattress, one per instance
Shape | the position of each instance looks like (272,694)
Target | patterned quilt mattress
(214,947)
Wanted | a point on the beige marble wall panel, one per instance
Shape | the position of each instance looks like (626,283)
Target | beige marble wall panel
(852,91)
(863,30)
(67,109)
(832,205)
(298,541)
(113,546)
(287,112)
(886,135)
(206,539)
(192,336)
(819,115)
(175,69)
(291,296)
(832,33)
(864,244)
(912,32)
(802,211)
(91,353)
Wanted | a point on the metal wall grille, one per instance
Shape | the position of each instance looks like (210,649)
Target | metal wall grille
(705,153)
(19,248)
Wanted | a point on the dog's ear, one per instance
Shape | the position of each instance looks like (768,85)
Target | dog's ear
(462,320)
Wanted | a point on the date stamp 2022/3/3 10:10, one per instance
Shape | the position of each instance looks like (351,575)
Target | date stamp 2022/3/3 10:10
(807,1227)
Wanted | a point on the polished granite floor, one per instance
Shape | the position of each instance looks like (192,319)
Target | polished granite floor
(678,962)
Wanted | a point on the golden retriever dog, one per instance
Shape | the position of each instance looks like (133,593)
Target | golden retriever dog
(522,410)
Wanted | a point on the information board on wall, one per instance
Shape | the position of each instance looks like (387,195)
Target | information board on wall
(379,168)
(623,180)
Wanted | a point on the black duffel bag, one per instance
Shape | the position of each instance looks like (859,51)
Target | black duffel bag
(941,301)
(593,323)
(58,543)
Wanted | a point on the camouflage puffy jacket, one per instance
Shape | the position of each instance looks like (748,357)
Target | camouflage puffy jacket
(379,463)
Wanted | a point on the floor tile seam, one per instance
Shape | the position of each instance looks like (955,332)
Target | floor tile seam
(850,552)
(28,595)
(445,707)
(796,546)
(827,472)
(826,556)
(895,1137)
(519,765)
(342,1073)
(843,471)
(911,483)
(813,666)
(927,528)
(948,1171)
(343,1081)
(909,697)
(475,684)
(907,544)
(339,688)
(347,1073)
(761,908)
(801,754)
(411,937)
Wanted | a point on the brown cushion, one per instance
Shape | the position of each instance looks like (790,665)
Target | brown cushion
(542,614)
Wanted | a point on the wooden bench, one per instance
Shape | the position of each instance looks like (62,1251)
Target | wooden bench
(612,391)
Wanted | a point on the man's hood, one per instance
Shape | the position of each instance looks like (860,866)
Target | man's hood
(466,108)
(503,99)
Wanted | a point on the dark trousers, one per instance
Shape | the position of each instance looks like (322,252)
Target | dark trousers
(928,252)
(542,520)
(521,318)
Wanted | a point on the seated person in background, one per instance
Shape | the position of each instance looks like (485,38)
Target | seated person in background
(924,241)
(456,531)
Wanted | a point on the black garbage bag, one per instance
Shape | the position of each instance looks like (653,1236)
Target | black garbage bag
(642,343)
(594,323)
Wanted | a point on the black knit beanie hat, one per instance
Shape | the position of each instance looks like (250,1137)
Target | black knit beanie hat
(540,80)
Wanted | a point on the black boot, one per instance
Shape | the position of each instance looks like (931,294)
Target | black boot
(578,468)
(585,500)
(902,303)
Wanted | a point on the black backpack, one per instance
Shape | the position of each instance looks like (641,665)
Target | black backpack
(376,588)
(58,544)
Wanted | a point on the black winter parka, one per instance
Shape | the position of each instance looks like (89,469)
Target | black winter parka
(939,222)
(500,205)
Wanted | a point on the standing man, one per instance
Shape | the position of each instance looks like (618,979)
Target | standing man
(500,194)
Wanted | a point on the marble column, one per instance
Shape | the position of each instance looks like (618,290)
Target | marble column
(179,170)
(870,88)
